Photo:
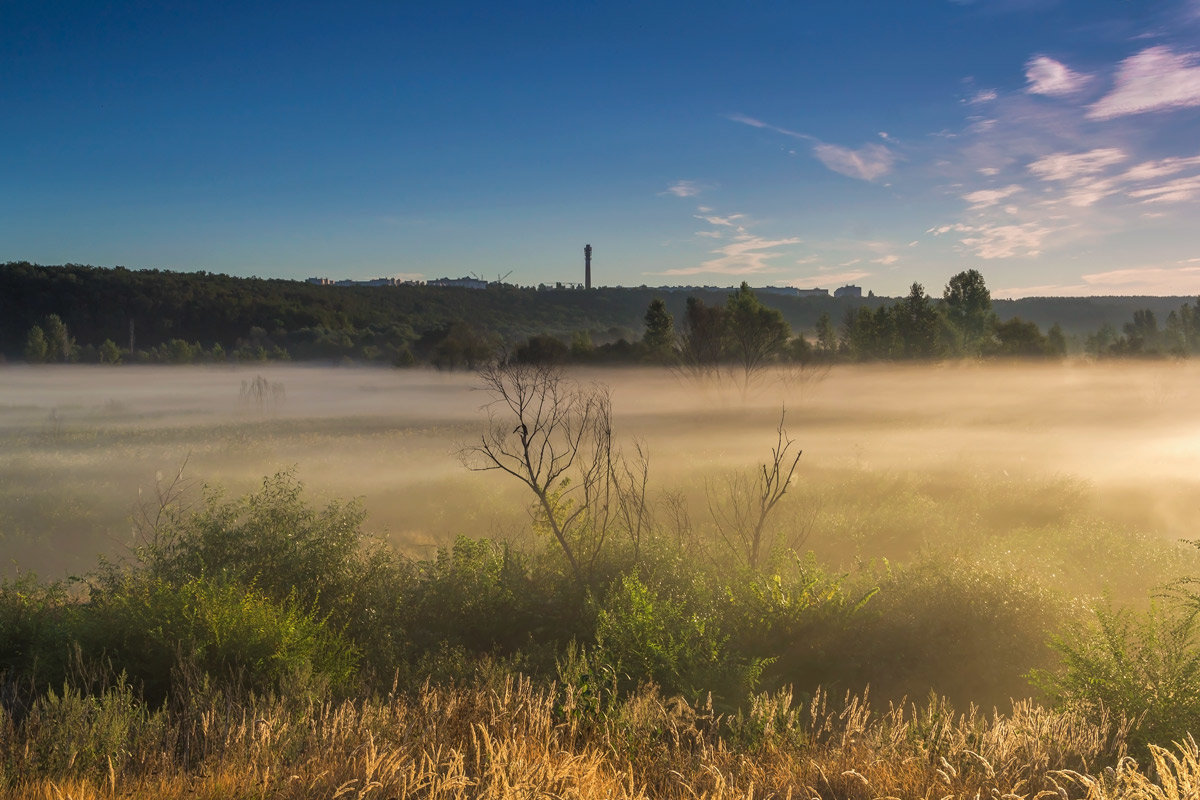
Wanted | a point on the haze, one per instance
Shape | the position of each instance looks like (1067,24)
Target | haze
(80,443)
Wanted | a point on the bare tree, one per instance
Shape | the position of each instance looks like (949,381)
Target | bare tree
(156,513)
(556,438)
(741,518)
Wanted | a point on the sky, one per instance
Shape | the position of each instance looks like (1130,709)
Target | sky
(1054,145)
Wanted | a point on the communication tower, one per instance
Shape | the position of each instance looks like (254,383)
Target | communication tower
(587,266)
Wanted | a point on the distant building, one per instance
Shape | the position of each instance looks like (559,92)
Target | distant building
(461,283)
(349,282)
(848,291)
(813,292)
(787,291)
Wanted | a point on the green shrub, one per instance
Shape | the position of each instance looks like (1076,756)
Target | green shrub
(951,626)
(644,635)
(33,628)
(791,619)
(149,627)
(1143,666)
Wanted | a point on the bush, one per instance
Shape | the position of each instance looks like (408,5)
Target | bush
(33,627)
(1145,667)
(271,540)
(955,627)
(148,628)
(644,635)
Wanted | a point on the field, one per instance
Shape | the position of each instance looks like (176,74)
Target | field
(944,525)
(894,456)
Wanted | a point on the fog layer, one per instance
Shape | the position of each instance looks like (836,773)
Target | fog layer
(78,444)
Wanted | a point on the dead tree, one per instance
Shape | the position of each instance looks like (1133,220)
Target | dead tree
(556,438)
(741,520)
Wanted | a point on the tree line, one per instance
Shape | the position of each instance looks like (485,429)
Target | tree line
(77,313)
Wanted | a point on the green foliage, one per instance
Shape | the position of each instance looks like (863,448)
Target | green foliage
(660,330)
(35,345)
(756,333)
(701,342)
(109,353)
(968,307)
(643,634)
(1017,337)
(966,631)
(826,336)
(150,627)
(1144,666)
(542,349)
(60,346)
(34,627)
(69,732)
(478,594)
(270,539)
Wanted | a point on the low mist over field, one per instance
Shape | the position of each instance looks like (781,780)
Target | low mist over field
(83,447)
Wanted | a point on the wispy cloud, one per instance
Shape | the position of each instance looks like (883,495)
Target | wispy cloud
(746,254)
(1049,77)
(730,221)
(1145,280)
(1068,166)
(867,163)
(830,279)
(1149,170)
(1176,191)
(990,240)
(758,123)
(742,252)
(989,197)
(982,96)
(684,189)
(1156,79)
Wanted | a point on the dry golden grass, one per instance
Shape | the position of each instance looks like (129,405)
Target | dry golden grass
(514,740)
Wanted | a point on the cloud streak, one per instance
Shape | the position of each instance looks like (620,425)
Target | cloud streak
(684,189)
(867,163)
(1156,79)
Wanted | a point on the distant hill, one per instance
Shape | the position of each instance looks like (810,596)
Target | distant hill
(321,322)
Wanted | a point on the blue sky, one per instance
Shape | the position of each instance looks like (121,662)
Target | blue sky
(1052,144)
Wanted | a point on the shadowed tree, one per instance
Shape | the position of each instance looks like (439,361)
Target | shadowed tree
(756,333)
(701,342)
(35,345)
(917,324)
(826,337)
(660,330)
(60,346)
(968,306)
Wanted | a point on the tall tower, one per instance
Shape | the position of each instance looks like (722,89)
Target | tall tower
(587,266)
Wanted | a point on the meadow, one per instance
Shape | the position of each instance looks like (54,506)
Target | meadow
(951,537)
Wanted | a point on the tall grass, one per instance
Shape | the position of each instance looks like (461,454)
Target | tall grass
(503,736)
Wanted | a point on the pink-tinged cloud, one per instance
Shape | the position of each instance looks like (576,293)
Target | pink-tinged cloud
(1070,166)
(867,163)
(1149,170)
(1049,77)
(745,255)
(1156,79)
(1176,191)
(1145,280)
(830,278)
(989,197)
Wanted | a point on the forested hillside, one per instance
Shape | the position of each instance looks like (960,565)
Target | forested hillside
(159,315)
